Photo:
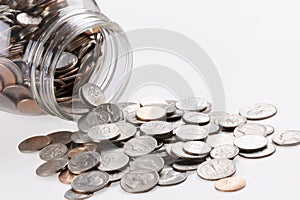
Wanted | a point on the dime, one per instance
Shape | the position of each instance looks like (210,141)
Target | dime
(196,148)
(208,109)
(63,137)
(34,144)
(7,104)
(89,182)
(251,143)
(7,76)
(270,129)
(212,128)
(150,113)
(91,119)
(231,121)
(269,150)
(113,161)
(83,162)
(287,138)
(225,151)
(66,177)
(157,129)
(192,104)
(127,131)
(104,132)
(220,139)
(131,118)
(72,195)
(190,132)
(177,150)
(140,146)
(118,175)
(91,95)
(151,162)
(80,138)
(258,111)
(230,184)
(216,169)
(138,181)
(150,101)
(85,148)
(169,177)
(52,167)
(53,151)
(250,129)
(196,118)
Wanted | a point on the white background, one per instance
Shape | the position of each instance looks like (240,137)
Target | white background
(255,46)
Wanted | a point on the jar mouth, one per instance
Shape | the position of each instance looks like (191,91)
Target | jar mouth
(106,61)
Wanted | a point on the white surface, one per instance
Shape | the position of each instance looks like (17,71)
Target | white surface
(255,46)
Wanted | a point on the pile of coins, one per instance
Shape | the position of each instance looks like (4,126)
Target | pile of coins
(155,143)
(22,22)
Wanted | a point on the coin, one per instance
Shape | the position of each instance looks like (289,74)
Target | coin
(140,146)
(151,162)
(129,108)
(72,195)
(104,132)
(89,182)
(231,121)
(220,139)
(117,175)
(34,144)
(157,129)
(150,113)
(91,119)
(84,161)
(66,60)
(114,112)
(66,177)
(175,117)
(91,95)
(212,128)
(184,166)
(225,151)
(251,143)
(29,106)
(177,150)
(25,19)
(192,104)
(216,169)
(85,148)
(190,132)
(287,138)
(7,104)
(258,111)
(17,92)
(52,167)
(113,161)
(80,137)
(138,181)
(53,151)
(231,184)
(127,131)
(169,177)
(7,76)
(196,148)
(63,137)
(250,129)
(131,118)
(270,129)
(196,118)
(150,101)
(269,150)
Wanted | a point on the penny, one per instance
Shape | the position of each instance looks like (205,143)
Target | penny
(287,138)
(29,106)
(66,177)
(150,101)
(251,143)
(157,129)
(192,104)
(129,108)
(63,137)
(231,184)
(231,121)
(196,118)
(151,162)
(53,151)
(34,144)
(91,95)
(220,139)
(1,84)
(258,111)
(90,182)
(269,150)
(104,132)
(250,129)
(7,75)
(52,167)
(197,148)
(216,169)
(113,161)
(127,131)
(85,148)
(138,181)
(17,92)
(66,60)
(7,104)
(150,113)
(83,162)
(13,68)
(225,151)
(190,132)
(169,177)
(140,146)
(72,195)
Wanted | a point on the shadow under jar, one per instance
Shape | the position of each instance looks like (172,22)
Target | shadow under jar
(50,48)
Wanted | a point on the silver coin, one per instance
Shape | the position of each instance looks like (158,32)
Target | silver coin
(184,166)
(140,146)
(208,109)
(113,161)
(89,182)
(7,105)
(270,129)
(216,169)
(53,151)
(127,131)
(63,137)
(80,138)
(133,107)
(220,139)
(91,119)
(250,129)
(192,104)
(196,118)
(251,143)
(258,111)
(151,162)
(197,148)
(169,177)
(231,121)
(52,167)
(177,150)
(104,132)
(150,101)
(138,181)
(190,132)
(25,19)
(176,116)
(66,59)
(269,150)
(91,95)
(118,175)
(287,138)
(225,151)
(114,112)
(150,113)
(17,92)
(72,195)
(84,161)
(131,118)
(212,128)
(157,129)
(215,116)
(170,109)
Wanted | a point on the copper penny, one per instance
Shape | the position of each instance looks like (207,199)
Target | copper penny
(66,177)
(1,84)
(85,148)
(29,106)
(34,144)
(230,184)
(7,76)
(63,137)
(17,92)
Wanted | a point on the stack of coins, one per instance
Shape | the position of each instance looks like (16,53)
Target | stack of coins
(155,143)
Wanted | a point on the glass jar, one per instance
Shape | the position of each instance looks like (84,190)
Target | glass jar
(50,48)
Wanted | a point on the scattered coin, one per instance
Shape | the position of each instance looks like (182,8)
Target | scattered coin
(169,177)
(80,138)
(157,129)
(270,129)
(17,92)
(151,162)
(140,146)
(91,95)
(72,195)
(250,129)
(34,144)
(230,184)
(66,177)
(251,143)
(29,106)
(225,151)
(177,150)
(220,139)
(113,161)
(192,104)
(63,137)
(117,175)
(212,128)
(83,162)
(258,111)
(53,151)
(127,131)
(85,148)
(196,118)
(150,113)
(216,169)
(104,132)
(175,117)
(190,132)
(197,148)
(91,119)
(184,166)
(131,118)
(287,138)
(52,167)
(150,101)
(231,121)
(269,150)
